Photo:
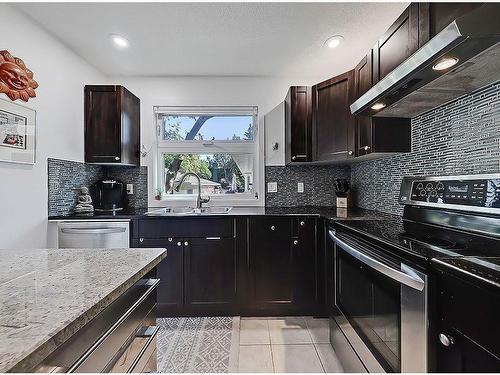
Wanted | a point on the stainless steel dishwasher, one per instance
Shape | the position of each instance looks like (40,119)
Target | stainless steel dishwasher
(90,234)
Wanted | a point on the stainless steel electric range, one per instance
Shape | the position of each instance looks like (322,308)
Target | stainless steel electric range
(381,271)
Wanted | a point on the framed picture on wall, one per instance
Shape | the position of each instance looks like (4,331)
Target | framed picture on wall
(17,133)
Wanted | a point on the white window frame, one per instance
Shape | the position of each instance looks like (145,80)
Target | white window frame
(203,147)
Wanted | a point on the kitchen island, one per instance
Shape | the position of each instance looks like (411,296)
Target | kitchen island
(48,295)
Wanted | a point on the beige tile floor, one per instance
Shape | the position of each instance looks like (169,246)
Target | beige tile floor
(281,345)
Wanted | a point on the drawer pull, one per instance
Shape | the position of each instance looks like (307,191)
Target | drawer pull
(273,227)
(212,238)
(140,347)
(152,284)
(302,223)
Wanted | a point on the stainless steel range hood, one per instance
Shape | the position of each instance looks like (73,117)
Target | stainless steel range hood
(415,86)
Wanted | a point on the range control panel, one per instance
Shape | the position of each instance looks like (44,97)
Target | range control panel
(467,192)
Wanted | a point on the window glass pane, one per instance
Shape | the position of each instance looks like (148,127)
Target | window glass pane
(220,173)
(207,127)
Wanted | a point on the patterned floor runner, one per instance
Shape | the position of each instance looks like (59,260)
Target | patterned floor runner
(198,344)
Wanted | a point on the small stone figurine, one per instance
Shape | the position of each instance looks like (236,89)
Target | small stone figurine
(84,201)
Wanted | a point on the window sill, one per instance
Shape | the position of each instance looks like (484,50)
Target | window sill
(183,201)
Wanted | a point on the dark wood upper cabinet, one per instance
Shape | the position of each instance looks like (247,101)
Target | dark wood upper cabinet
(434,17)
(333,123)
(112,125)
(298,124)
(378,135)
(398,43)
(419,23)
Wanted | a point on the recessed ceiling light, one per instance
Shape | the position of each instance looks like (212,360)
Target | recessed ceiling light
(378,106)
(445,63)
(119,41)
(334,41)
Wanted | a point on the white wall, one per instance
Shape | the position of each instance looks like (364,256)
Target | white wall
(264,92)
(59,104)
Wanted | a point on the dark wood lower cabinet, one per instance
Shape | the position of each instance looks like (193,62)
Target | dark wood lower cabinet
(268,266)
(170,292)
(283,261)
(271,263)
(468,317)
(210,274)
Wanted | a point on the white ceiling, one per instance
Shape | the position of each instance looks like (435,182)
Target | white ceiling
(217,39)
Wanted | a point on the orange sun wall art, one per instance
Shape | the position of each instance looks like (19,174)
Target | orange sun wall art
(16,80)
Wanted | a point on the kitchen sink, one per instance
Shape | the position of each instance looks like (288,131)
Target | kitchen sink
(182,211)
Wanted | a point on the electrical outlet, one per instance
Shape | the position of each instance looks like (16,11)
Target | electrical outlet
(272,187)
(300,187)
(130,189)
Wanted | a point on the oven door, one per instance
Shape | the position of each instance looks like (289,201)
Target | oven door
(380,307)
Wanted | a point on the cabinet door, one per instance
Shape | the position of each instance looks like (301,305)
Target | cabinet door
(305,262)
(271,262)
(298,121)
(170,292)
(333,123)
(210,274)
(102,125)
(363,76)
(397,44)
(130,127)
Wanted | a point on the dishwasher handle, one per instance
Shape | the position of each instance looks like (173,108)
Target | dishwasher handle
(404,276)
(93,230)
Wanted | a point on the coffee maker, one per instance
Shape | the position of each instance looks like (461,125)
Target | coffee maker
(109,194)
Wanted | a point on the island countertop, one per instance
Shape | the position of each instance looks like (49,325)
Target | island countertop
(48,295)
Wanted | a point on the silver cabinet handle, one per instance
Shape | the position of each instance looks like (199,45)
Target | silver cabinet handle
(405,276)
(446,340)
(186,243)
(93,230)
(295,242)
(294,157)
(350,153)
(170,239)
(117,158)
(302,223)
(141,239)
(145,352)
(179,243)
(273,227)
(212,238)
(366,148)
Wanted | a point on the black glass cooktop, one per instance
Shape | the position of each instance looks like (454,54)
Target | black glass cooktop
(425,240)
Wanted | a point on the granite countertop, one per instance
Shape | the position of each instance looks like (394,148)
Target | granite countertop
(47,295)
(330,213)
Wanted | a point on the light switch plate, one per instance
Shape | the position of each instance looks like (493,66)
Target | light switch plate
(300,187)
(272,187)
(130,189)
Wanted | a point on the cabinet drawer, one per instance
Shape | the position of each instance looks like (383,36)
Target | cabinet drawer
(186,227)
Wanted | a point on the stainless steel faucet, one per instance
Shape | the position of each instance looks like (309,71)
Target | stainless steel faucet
(199,199)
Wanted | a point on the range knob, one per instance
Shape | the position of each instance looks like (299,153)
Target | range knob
(434,193)
(423,193)
(428,186)
(420,185)
(440,186)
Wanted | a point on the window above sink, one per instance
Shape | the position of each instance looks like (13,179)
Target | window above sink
(219,144)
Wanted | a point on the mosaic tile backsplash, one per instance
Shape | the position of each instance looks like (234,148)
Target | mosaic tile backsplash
(66,177)
(462,137)
(318,185)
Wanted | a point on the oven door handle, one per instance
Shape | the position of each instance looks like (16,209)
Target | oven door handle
(405,276)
